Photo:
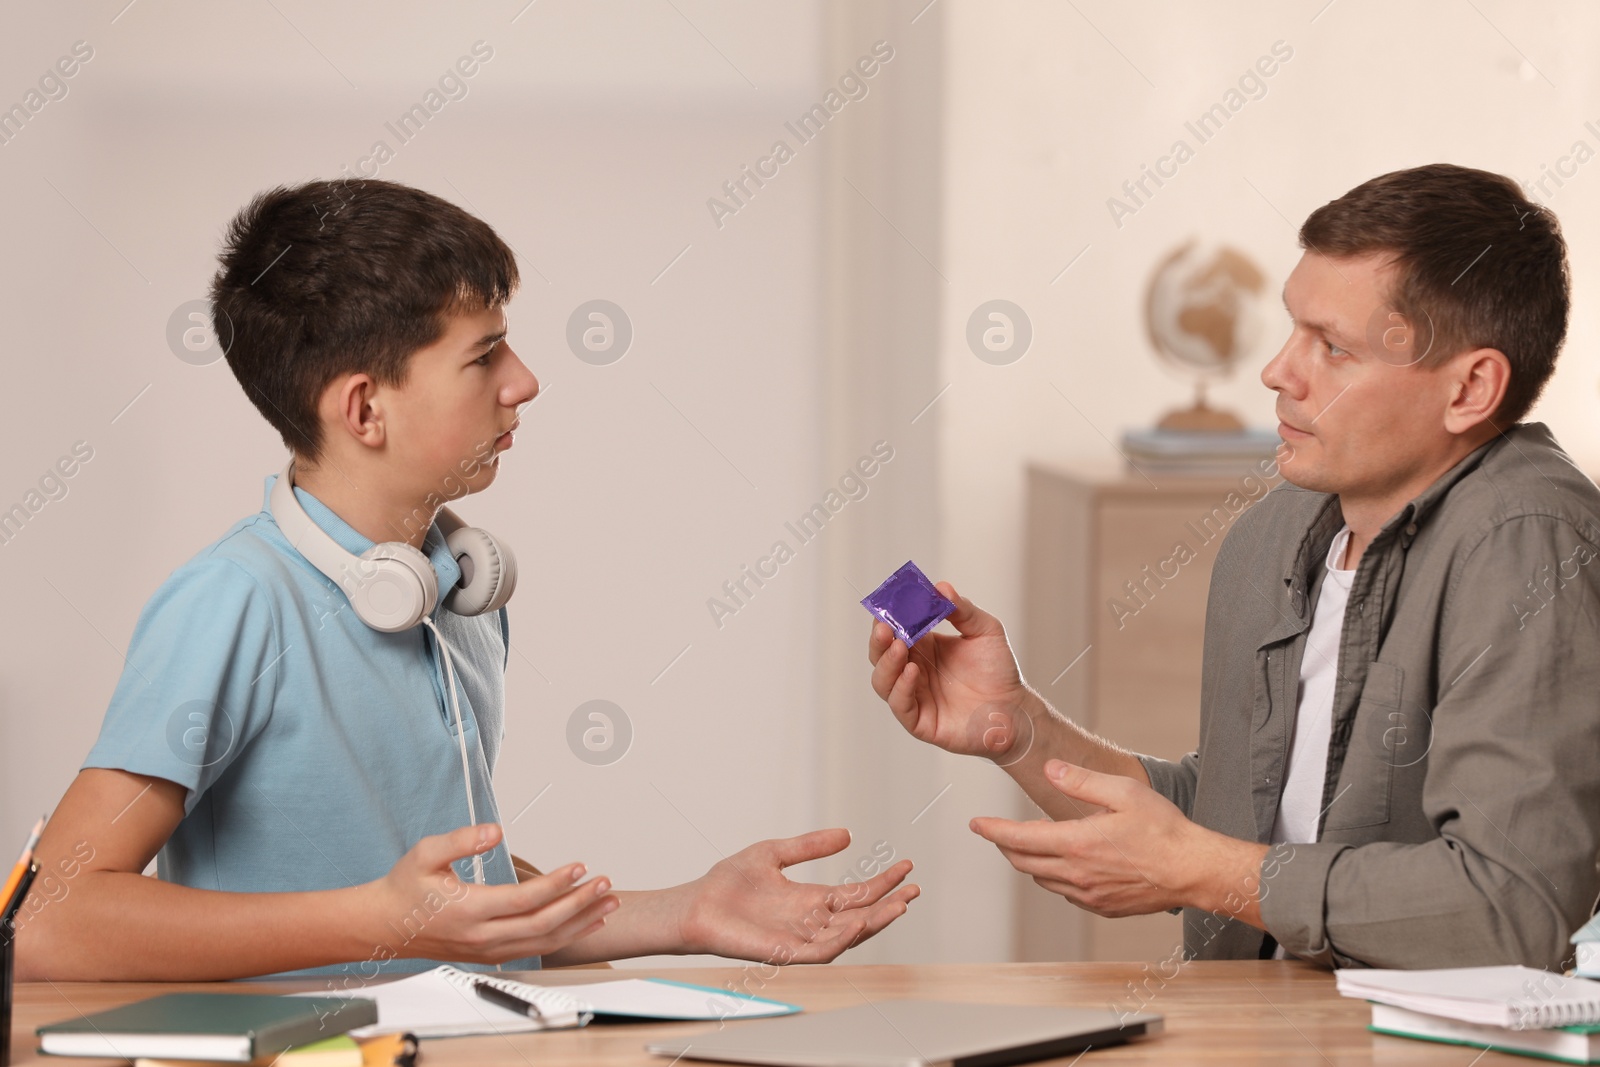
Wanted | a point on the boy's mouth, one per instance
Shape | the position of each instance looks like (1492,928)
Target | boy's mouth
(507,439)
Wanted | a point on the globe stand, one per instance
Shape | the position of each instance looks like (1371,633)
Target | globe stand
(1200,418)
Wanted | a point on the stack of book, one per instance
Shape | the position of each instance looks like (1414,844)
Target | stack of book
(1199,453)
(219,1028)
(1509,1009)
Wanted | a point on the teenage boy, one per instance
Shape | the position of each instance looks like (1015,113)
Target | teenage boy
(302,765)
(1399,746)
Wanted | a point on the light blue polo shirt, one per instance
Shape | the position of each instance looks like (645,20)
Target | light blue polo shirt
(316,750)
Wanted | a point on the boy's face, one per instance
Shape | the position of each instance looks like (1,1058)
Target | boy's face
(448,423)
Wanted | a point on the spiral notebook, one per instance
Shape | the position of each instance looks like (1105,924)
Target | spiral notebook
(1517,998)
(444,1003)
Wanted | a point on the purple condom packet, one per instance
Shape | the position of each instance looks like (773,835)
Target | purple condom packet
(909,603)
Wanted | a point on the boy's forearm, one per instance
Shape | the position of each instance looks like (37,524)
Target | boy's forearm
(1053,736)
(117,926)
(646,924)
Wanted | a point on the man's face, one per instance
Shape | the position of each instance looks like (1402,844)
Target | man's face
(454,415)
(1360,415)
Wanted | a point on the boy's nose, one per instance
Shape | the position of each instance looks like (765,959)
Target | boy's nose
(523,386)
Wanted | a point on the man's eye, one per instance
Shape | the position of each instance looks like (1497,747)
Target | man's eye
(1335,350)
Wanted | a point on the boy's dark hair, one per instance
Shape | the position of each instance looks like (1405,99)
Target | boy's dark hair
(1485,265)
(333,277)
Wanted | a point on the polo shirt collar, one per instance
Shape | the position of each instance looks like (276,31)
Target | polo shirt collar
(354,542)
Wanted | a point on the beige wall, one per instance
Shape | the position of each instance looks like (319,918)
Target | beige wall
(820,318)
(1050,111)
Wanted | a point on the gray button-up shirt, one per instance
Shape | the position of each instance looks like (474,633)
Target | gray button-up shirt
(1462,799)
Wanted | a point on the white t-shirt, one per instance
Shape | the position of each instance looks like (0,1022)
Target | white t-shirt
(1300,808)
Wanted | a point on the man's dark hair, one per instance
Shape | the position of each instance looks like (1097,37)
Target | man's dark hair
(1474,256)
(335,277)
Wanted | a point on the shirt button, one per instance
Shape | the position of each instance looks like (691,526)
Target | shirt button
(1411,530)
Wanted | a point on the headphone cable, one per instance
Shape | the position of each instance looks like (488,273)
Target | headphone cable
(461,736)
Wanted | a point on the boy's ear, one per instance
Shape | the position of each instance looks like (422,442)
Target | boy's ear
(352,406)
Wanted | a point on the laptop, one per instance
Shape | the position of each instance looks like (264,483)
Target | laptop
(914,1033)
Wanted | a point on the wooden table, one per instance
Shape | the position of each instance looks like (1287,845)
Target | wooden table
(1276,1012)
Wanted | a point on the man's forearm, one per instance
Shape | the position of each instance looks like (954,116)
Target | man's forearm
(118,926)
(1229,879)
(1048,735)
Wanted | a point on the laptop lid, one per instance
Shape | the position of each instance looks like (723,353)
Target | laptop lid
(913,1033)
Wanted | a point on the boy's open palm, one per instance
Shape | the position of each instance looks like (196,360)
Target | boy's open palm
(746,908)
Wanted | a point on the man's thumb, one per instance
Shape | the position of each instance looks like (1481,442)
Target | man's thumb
(968,619)
(1080,783)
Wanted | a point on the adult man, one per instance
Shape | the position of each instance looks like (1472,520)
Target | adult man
(1399,751)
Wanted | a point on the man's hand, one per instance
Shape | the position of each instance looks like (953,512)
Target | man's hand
(745,908)
(422,909)
(962,693)
(1133,852)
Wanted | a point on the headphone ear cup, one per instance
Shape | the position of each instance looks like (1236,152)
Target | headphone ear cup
(392,587)
(488,572)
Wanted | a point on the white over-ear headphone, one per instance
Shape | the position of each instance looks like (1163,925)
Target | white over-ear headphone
(392,587)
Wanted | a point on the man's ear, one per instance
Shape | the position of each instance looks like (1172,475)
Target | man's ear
(1478,380)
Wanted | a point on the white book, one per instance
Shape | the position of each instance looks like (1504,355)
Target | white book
(1517,998)
(444,1003)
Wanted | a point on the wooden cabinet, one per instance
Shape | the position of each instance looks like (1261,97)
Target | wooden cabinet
(1118,568)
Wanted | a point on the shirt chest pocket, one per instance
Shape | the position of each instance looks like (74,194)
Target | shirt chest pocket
(1376,739)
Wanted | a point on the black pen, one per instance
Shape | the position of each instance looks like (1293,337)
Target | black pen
(508,1000)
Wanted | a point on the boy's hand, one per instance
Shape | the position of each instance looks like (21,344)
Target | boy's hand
(746,909)
(421,909)
(962,693)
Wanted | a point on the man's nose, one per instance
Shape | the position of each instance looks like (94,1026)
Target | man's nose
(1280,374)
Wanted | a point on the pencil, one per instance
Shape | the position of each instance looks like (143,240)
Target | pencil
(13,903)
(22,861)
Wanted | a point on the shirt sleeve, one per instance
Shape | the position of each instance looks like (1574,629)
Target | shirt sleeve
(1511,786)
(1174,780)
(197,684)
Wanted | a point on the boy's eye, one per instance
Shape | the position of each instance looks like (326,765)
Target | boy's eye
(483,360)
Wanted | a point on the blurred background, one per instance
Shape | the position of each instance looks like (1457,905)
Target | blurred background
(781,329)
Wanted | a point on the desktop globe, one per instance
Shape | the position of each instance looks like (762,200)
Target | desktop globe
(1203,314)
(1202,310)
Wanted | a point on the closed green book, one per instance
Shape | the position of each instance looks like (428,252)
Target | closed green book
(236,1027)
(1564,1044)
